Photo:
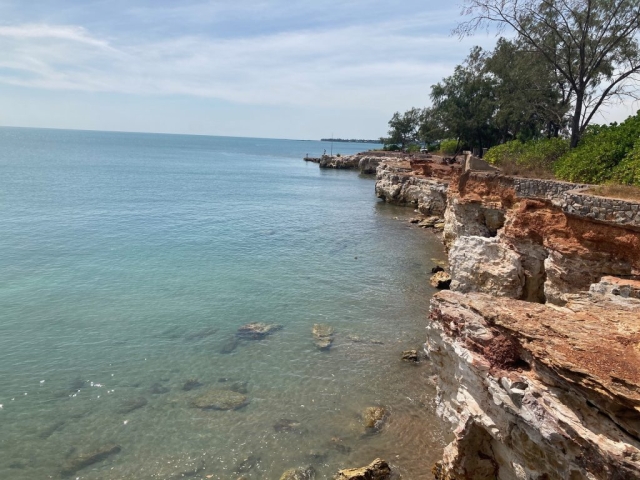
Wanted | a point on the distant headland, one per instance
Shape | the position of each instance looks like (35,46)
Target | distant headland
(349,140)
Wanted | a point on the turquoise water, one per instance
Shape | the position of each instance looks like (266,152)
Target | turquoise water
(130,260)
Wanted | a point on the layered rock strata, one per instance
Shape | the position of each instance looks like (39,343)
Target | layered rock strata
(365,162)
(536,391)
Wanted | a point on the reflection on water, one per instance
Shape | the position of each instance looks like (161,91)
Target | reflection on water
(127,277)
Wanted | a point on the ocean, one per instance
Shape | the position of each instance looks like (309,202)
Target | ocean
(129,261)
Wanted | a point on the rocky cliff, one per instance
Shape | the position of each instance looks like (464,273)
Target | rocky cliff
(365,162)
(537,346)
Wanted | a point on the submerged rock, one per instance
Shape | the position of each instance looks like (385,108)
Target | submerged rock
(83,460)
(437,269)
(307,473)
(215,399)
(229,345)
(131,404)
(288,425)
(257,330)
(322,335)
(410,356)
(441,280)
(158,389)
(376,470)
(191,384)
(248,464)
(374,417)
(204,333)
(51,429)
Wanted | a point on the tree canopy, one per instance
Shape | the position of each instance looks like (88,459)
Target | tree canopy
(591,46)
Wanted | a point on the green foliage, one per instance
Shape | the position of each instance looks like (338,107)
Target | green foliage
(413,148)
(605,153)
(403,128)
(390,147)
(539,154)
(449,146)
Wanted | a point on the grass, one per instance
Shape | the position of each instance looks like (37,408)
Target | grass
(622,192)
(526,171)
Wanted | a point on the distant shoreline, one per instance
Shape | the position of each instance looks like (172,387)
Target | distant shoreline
(348,140)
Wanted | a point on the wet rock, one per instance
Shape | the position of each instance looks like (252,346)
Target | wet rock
(83,460)
(204,333)
(441,280)
(307,473)
(239,387)
(229,345)
(288,425)
(376,470)
(374,417)
(316,456)
(131,404)
(410,356)
(415,220)
(215,399)
(191,384)
(357,339)
(322,336)
(248,464)
(257,331)
(158,389)
(437,269)
(439,226)
(429,222)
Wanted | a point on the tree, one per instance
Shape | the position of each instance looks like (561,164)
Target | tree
(464,103)
(403,128)
(590,43)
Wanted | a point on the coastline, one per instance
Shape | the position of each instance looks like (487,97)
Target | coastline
(534,347)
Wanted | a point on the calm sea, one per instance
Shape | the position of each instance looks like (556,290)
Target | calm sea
(128,262)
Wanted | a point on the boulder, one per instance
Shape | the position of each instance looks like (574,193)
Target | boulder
(307,473)
(440,280)
(322,336)
(429,222)
(257,330)
(83,460)
(376,470)
(215,399)
(410,356)
(479,264)
(374,417)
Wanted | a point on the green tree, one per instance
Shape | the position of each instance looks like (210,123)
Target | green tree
(592,44)
(403,128)
(464,103)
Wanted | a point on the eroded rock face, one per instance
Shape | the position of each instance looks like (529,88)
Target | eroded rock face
(537,391)
(376,470)
(398,186)
(481,264)
(440,280)
(218,399)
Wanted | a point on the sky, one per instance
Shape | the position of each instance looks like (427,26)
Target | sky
(258,68)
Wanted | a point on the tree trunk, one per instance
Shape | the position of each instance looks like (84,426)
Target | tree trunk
(575,121)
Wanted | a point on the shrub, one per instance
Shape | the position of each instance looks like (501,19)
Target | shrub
(533,158)
(449,146)
(413,148)
(605,153)
(391,148)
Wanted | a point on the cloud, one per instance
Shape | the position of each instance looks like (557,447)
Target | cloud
(384,65)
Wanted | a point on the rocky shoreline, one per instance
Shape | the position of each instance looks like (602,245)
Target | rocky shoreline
(537,343)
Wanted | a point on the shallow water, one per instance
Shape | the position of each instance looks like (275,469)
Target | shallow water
(130,260)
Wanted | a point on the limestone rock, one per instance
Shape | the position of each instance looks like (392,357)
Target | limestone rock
(376,470)
(429,221)
(307,473)
(322,335)
(485,265)
(215,399)
(257,330)
(86,459)
(373,417)
(440,280)
(522,382)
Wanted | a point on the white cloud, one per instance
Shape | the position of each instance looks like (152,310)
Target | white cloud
(389,65)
